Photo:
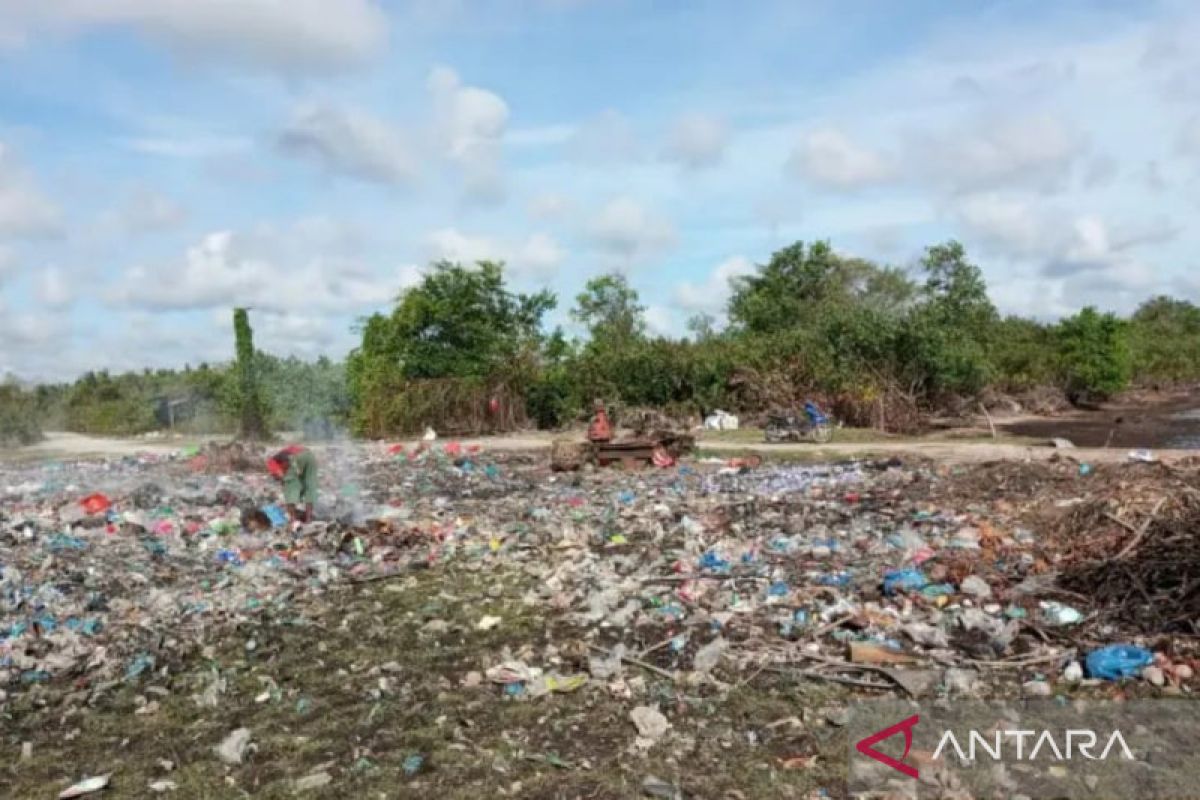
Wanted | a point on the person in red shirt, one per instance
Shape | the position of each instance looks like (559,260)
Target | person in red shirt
(296,468)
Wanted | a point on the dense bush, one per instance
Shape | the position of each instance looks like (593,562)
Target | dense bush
(878,345)
(1094,355)
(19,422)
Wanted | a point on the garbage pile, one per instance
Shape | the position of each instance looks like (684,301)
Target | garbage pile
(885,576)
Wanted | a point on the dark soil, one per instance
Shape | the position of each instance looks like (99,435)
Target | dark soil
(1172,423)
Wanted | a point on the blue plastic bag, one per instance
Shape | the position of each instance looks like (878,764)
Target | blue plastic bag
(909,579)
(1118,661)
(276,514)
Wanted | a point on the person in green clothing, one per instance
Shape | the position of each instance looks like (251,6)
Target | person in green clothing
(296,468)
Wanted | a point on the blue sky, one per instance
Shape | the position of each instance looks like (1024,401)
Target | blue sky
(161,160)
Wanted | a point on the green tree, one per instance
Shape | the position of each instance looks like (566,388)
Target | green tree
(462,322)
(1093,354)
(799,281)
(19,419)
(1164,338)
(608,307)
(252,422)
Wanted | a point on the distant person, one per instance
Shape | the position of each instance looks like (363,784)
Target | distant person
(296,468)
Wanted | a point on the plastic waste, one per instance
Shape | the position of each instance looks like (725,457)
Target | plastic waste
(721,421)
(1118,661)
(86,787)
(1056,613)
(95,503)
(908,579)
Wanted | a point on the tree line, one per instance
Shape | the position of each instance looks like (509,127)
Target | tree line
(881,346)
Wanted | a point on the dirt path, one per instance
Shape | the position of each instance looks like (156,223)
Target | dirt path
(973,451)
(59,446)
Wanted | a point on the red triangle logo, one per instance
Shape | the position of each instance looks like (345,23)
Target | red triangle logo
(866,746)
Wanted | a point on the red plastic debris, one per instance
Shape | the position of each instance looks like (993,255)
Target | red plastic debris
(96,503)
(853,497)
(453,449)
(396,449)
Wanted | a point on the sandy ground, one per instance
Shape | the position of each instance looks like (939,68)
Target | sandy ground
(59,446)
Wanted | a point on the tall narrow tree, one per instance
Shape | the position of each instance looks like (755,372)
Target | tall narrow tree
(252,424)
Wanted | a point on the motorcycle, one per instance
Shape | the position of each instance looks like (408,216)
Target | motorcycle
(788,426)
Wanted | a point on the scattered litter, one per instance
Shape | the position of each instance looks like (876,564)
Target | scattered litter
(314,781)
(233,747)
(651,725)
(487,623)
(85,787)
(657,787)
(1055,613)
(1118,661)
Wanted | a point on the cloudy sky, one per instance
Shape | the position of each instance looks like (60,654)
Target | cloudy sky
(161,160)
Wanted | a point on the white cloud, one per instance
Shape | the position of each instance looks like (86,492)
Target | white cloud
(538,256)
(712,295)
(1034,151)
(55,290)
(351,142)
(829,158)
(1008,224)
(661,321)
(606,138)
(626,229)
(187,146)
(470,124)
(697,141)
(8,262)
(1189,138)
(540,136)
(24,210)
(223,270)
(292,35)
(549,205)
(150,211)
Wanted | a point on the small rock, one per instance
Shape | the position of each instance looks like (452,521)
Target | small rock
(709,655)
(838,717)
(650,723)
(436,626)
(976,587)
(961,681)
(163,786)
(487,623)
(657,787)
(917,682)
(1073,672)
(1037,688)
(234,746)
(926,634)
(472,680)
(313,781)
(1154,675)
(26,751)
(1062,444)
(391,666)
(1091,781)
